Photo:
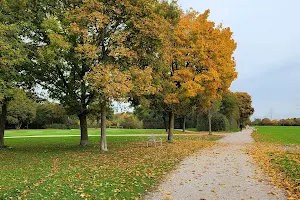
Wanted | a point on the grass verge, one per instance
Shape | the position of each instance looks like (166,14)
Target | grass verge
(277,152)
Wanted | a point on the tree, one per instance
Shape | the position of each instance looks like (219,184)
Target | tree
(256,122)
(127,120)
(214,109)
(121,40)
(245,106)
(21,110)
(229,108)
(202,64)
(11,57)
(95,112)
(48,113)
(266,122)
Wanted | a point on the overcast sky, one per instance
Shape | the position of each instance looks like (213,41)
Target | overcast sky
(268,55)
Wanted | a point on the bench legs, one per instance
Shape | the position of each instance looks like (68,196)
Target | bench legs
(154,142)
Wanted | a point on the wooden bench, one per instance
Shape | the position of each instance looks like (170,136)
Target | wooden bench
(152,139)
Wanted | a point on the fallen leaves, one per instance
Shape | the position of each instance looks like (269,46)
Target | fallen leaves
(282,166)
(127,171)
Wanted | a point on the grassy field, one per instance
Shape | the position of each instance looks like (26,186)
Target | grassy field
(277,152)
(279,134)
(57,168)
(23,132)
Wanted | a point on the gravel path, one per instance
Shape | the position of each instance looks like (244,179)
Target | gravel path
(223,172)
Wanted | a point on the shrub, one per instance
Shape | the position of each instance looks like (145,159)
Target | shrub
(219,122)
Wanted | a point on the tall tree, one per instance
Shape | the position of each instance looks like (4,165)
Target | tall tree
(11,58)
(201,62)
(245,106)
(123,38)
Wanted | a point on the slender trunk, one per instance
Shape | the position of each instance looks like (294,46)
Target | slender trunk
(183,125)
(98,122)
(165,122)
(103,143)
(2,123)
(171,126)
(19,126)
(84,140)
(209,122)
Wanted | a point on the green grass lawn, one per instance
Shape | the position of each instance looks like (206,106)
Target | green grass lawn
(278,134)
(58,168)
(33,132)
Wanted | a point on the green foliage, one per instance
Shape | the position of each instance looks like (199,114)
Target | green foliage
(219,123)
(127,120)
(21,110)
(202,123)
(49,113)
(229,106)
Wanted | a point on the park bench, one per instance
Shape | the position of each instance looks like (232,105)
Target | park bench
(152,139)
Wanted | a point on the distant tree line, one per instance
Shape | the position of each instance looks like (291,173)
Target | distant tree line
(234,109)
(275,122)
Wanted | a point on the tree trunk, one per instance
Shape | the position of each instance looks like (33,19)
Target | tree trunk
(209,122)
(98,122)
(2,123)
(103,143)
(84,140)
(171,126)
(165,122)
(183,125)
(19,125)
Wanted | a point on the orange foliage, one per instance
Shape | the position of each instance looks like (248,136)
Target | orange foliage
(201,59)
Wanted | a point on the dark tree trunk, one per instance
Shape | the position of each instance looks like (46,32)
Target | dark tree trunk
(171,126)
(183,125)
(84,140)
(103,142)
(2,123)
(165,122)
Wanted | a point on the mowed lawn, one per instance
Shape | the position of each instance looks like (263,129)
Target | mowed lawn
(278,153)
(58,168)
(279,134)
(93,132)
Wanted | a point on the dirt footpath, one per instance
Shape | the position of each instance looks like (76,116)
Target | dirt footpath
(223,172)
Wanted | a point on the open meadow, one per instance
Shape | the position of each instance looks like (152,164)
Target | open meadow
(58,168)
(277,151)
(286,135)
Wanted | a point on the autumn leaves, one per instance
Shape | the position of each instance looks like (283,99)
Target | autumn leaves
(142,48)
(115,50)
